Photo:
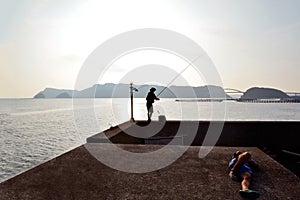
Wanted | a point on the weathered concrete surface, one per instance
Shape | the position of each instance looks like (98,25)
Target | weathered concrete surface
(273,137)
(78,175)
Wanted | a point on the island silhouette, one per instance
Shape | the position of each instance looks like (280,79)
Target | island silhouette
(111,90)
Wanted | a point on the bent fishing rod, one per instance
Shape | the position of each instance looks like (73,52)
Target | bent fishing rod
(178,75)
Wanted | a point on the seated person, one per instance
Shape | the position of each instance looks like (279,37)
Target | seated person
(241,168)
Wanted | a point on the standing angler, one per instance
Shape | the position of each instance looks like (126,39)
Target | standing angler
(150,100)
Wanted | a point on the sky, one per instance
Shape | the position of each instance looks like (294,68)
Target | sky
(44,43)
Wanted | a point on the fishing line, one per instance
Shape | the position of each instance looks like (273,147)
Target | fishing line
(178,75)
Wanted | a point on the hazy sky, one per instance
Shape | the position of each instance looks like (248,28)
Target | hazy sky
(43,43)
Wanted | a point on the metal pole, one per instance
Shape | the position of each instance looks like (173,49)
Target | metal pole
(131,100)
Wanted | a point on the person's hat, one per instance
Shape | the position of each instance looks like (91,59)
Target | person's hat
(152,89)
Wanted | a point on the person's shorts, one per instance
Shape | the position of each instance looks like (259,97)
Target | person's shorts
(149,107)
(244,168)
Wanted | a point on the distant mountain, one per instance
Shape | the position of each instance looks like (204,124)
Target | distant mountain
(63,95)
(39,96)
(53,93)
(111,90)
(264,93)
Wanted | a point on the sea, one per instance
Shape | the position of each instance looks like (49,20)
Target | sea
(33,131)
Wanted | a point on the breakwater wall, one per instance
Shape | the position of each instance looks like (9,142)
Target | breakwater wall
(291,100)
(275,135)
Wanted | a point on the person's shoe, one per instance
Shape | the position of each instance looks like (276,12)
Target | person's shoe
(250,194)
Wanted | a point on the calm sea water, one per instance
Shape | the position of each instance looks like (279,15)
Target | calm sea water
(33,131)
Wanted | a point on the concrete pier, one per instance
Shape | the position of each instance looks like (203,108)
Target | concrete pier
(78,175)
(275,135)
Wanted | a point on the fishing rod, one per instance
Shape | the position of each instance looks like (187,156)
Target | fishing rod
(178,75)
